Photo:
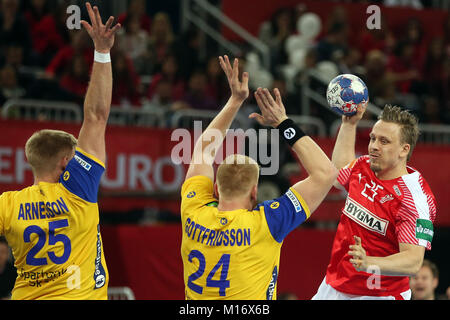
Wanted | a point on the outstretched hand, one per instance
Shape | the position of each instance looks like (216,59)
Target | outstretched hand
(239,89)
(102,34)
(272,111)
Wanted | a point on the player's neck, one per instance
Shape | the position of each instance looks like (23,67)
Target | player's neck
(232,205)
(50,178)
(392,173)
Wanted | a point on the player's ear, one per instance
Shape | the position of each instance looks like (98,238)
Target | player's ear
(405,150)
(66,158)
(216,190)
(254,192)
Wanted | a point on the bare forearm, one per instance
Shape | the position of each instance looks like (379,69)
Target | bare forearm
(399,264)
(213,136)
(314,160)
(223,120)
(98,97)
(344,148)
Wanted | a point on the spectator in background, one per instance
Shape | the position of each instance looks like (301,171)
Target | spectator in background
(333,46)
(79,45)
(431,111)
(403,68)
(36,11)
(350,62)
(433,68)
(76,79)
(9,86)
(162,99)
(126,82)
(50,34)
(161,40)
(13,28)
(375,73)
(415,35)
(137,9)
(446,29)
(382,39)
(8,272)
(275,32)
(169,71)
(133,40)
(186,50)
(15,58)
(217,85)
(290,100)
(416,4)
(425,282)
(196,95)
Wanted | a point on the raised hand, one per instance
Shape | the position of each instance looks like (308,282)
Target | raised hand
(272,111)
(356,117)
(102,34)
(239,89)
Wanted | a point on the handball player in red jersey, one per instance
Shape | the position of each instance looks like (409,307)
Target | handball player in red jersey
(387,220)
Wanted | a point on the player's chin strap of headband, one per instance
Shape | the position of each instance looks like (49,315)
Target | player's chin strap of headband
(290,131)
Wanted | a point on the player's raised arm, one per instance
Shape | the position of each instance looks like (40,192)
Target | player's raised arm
(207,145)
(344,148)
(322,172)
(98,97)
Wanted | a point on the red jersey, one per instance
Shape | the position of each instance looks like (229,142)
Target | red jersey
(382,213)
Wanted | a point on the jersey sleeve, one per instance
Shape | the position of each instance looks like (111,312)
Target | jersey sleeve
(82,176)
(414,220)
(196,192)
(345,173)
(285,213)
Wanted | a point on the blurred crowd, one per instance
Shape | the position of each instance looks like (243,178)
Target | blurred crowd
(409,66)
(157,68)
(153,66)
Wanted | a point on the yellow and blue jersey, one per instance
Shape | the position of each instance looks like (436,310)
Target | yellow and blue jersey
(234,254)
(53,230)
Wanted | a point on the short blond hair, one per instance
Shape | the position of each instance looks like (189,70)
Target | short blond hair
(45,147)
(236,175)
(409,125)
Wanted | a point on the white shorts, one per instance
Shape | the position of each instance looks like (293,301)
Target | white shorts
(327,292)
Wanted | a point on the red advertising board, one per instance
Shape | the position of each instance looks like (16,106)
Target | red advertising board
(140,172)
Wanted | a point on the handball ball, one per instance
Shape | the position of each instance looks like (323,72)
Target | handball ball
(345,93)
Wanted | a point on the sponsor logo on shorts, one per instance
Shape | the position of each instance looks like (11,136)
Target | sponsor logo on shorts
(364,217)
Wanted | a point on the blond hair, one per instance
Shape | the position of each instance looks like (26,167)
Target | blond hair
(236,175)
(409,125)
(45,148)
